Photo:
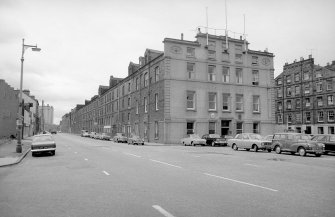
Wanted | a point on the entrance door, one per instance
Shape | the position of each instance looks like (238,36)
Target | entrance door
(225,127)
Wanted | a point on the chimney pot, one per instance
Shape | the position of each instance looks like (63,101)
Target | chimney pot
(182,36)
(301,58)
(240,37)
(310,56)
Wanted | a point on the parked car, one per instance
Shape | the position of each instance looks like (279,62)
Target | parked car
(96,136)
(120,137)
(296,143)
(84,133)
(92,134)
(214,139)
(43,143)
(53,131)
(104,136)
(328,140)
(135,140)
(250,141)
(193,139)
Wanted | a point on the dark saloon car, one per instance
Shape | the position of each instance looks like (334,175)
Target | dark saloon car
(43,143)
(214,139)
(328,140)
(296,143)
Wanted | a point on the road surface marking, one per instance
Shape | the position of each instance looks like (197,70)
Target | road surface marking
(251,165)
(107,174)
(131,154)
(166,163)
(246,183)
(162,211)
(86,159)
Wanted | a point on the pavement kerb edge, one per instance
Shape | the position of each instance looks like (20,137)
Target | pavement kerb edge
(18,160)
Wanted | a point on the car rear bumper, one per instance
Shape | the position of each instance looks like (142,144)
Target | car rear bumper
(43,149)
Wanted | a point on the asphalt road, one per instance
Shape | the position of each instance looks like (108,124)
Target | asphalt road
(96,178)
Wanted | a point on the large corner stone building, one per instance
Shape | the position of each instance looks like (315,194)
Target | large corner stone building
(202,86)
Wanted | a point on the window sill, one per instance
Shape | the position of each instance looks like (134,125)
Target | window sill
(226,111)
(239,111)
(255,112)
(191,110)
(210,110)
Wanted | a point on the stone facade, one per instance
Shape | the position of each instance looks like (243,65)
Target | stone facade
(305,97)
(190,87)
(9,105)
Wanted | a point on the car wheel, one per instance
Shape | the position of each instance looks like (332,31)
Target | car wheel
(269,150)
(184,143)
(317,155)
(247,149)
(192,144)
(235,147)
(33,154)
(302,151)
(53,152)
(278,149)
(255,147)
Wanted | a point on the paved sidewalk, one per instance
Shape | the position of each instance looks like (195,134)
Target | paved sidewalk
(8,155)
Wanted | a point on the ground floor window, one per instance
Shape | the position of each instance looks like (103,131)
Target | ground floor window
(308,130)
(211,128)
(255,127)
(239,127)
(331,130)
(190,127)
(320,130)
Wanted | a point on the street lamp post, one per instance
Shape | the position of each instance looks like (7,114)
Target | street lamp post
(20,116)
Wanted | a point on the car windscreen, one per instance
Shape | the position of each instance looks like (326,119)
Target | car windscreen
(215,136)
(42,138)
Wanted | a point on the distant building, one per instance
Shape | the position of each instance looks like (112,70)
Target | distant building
(190,87)
(9,106)
(48,114)
(305,97)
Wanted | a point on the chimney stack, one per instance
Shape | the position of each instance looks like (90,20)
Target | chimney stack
(182,36)
(301,59)
(310,56)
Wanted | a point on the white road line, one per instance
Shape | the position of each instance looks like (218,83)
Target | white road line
(107,174)
(251,165)
(162,211)
(245,183)
(131,154)
(166,163)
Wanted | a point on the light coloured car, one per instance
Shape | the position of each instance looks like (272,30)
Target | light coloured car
(96,136)
(135,140)
(92,134)
(104,136)
(43,143)
(120,137)
(249,141)
(193,139)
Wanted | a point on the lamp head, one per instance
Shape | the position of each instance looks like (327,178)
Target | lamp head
(36,49)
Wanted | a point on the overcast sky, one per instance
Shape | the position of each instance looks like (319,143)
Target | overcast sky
(83,42)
